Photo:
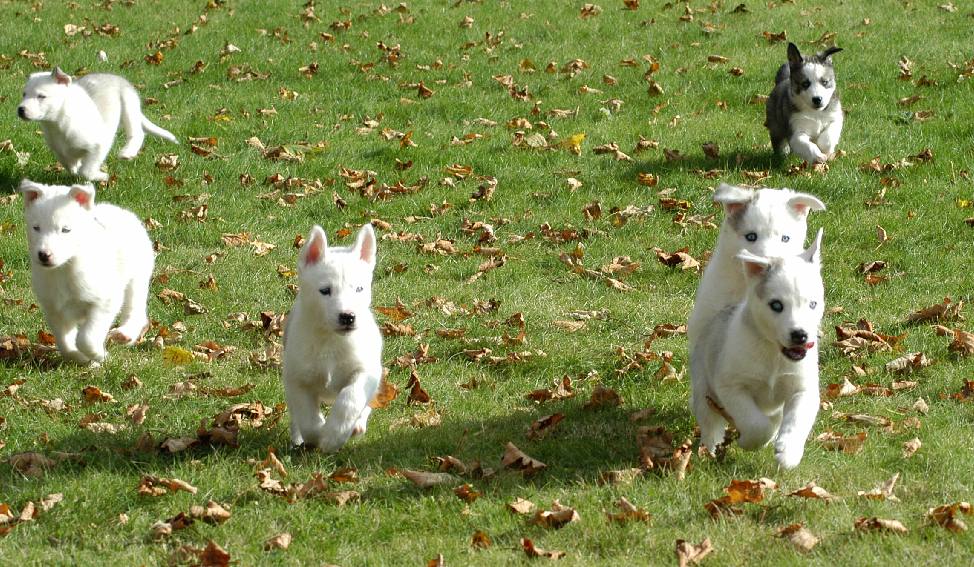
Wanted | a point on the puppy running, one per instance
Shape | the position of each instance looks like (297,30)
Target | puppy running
(766,222)
(79,118)
(332,344)
(757,362)
(89,264)
(803,113)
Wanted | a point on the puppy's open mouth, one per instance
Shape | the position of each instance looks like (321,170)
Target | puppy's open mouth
(798,352)
(345,330)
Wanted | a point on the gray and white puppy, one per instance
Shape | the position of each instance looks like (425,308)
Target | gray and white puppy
(803,113)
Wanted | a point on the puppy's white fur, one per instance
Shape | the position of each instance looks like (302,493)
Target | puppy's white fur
(89,264)
(79,118)
(758,359)
(776,219)
(332,344)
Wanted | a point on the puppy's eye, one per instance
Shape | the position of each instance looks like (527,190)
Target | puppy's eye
(751,237)
(41,97)
(806,84)
(812,304)
(359,289)
(776,306)
(65,229)
(325,291)
(37,228)
(785,238)
(825,84)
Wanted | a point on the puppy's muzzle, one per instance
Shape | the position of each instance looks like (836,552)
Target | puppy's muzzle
(346,322)
(44,258)
(817,101)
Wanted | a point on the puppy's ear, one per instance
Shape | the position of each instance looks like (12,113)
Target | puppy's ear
(794,56)
(84,195)
(733,198)
(803,203)
(754,265)
(31,191)
(826,56)
(60,77)
(813,254)
(365,244)
(314,248)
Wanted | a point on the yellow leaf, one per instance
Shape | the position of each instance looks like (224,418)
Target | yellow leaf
(574,143)
(177,356)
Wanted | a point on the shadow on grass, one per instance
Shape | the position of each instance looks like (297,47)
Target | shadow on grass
(727,163)
(584,445)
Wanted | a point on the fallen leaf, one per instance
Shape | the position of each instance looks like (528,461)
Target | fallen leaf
(559,516)
(602,397)
(521,506)
(628,512)
(947,515)
(280,541)
(799,536)
(813,491)
(879,524)
(427,479)
(687,553)
(908,363)
(514,458)
(944,311)
(911,447)
(882,492)
(532,551)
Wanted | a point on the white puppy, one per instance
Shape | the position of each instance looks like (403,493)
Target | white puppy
(79,118)
(758,359)
(766,222)
(89,264)
(332,344)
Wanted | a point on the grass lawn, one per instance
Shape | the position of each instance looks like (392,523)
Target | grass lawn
(430,118)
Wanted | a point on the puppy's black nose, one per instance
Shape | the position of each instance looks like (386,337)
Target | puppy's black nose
(346,319)
(44,257)
(22,113)
(817,101)
(799,337)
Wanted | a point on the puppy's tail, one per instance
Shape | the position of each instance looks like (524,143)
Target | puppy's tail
(158,131)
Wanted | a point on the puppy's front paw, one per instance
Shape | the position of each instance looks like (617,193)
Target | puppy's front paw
(788,456)
(96,175)
(128,153)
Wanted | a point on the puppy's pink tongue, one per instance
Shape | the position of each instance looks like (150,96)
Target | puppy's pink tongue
(808,346)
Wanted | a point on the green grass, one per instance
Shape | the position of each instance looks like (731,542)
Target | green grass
(396,523)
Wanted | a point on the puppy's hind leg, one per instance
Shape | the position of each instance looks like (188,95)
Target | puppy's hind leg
(134,319)
(132,122)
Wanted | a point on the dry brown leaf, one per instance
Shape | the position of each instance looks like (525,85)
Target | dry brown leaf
(514,458)
(911,447)
(603,397)
(947,515)
(908,363)
(880,524)
(944,311)
(850,445)
(542,426)
(561,390)
(882,492)
(799,536)
(480,540)
(212,513)
(532,551)
(280,541)
(521,506)
(813,491)
(424,479)
(558,517)
(628,512)
(687,553)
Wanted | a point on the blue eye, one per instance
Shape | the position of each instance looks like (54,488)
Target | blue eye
(785,238)
(813,304)
(776,306)
(325,291)
(751,236)
(359,289)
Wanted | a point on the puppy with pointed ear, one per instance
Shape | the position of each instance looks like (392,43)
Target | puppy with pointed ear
(84,195)
(332,344)
(31,191)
